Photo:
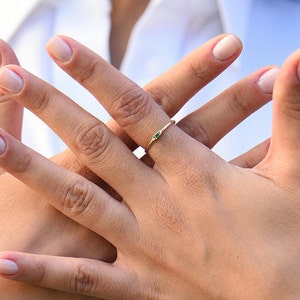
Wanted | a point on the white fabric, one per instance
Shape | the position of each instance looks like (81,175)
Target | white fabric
(167,31)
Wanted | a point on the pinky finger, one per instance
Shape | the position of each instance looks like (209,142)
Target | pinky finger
(252,157)
(71,275)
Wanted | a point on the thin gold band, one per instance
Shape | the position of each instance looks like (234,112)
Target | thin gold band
(158,134)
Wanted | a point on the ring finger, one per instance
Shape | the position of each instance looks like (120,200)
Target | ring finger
(135,111)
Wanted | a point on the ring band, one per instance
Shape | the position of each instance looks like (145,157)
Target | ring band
(158,134)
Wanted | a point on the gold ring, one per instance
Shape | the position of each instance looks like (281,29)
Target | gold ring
(158,134)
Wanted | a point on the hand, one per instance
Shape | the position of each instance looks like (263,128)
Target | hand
(240,229)
(47,222)
(197,70)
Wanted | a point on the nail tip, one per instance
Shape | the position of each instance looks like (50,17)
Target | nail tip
(8,267)
(60,49)
(227,47)
(267,80)
(11,81)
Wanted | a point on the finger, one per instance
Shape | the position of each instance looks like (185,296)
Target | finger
(70,193)
(134,110)
(86,136)
(285,142)
(252,157)
(72,275)
(216,118)
(11,113)
(196,70)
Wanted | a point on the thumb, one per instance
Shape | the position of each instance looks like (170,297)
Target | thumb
(285,142)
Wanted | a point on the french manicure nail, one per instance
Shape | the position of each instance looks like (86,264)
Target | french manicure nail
(60,49)
(226,47)
(10,81)
(267,80)
(8,267)
(2,145)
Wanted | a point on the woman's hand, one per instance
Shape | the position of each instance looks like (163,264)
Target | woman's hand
(34,226)
(193,226)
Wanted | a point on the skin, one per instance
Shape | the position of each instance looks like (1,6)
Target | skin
(240,225)
(32,225)
(38,215)
(46,238)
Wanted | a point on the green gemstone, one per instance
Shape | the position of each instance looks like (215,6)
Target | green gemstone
(157,135)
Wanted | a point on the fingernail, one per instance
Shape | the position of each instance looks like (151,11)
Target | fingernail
(298,71)
(10,81)
(60,49)
(267,80)
(8,267)
(226,47)
(2,145)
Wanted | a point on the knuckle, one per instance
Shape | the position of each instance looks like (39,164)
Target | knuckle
(238,104)
(39,274)
(202,71)
(87,75)
(40,102)
(197,130)
(83,279)
(93,139)
(77,198)
(130,107)
(24,164)
(164,97)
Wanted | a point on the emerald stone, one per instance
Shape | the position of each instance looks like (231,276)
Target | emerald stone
(156,135)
